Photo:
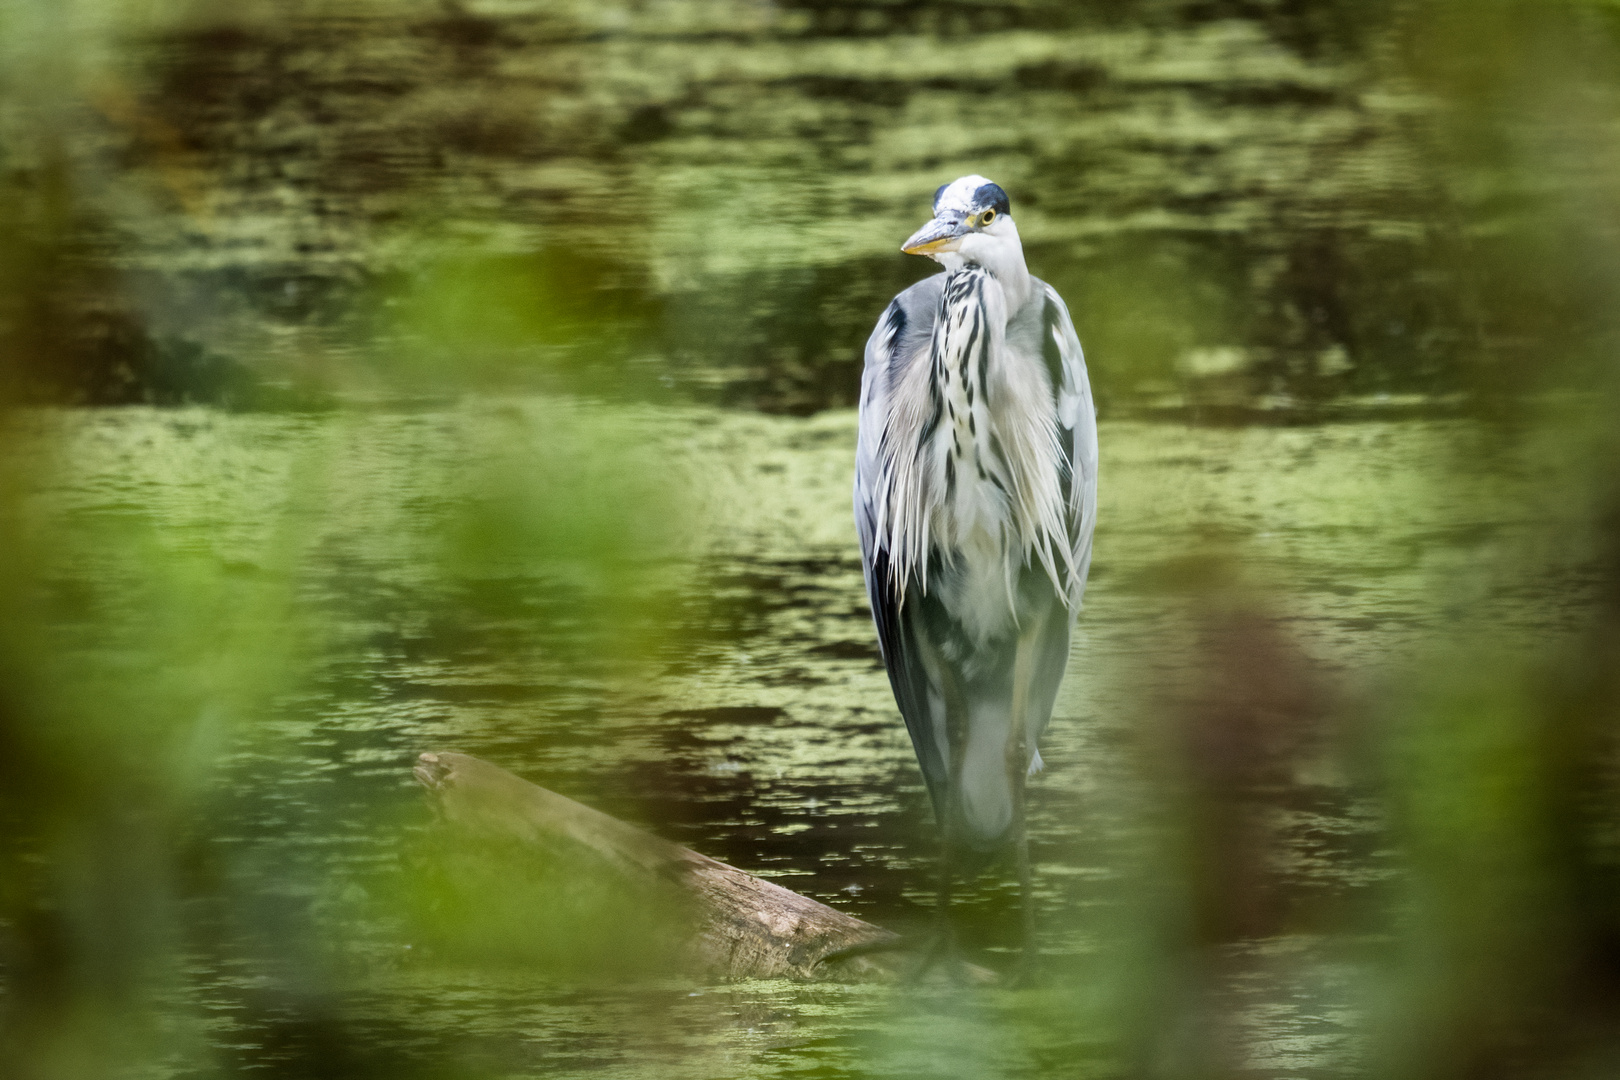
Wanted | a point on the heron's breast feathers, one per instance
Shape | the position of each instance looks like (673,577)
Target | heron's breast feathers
(969,466)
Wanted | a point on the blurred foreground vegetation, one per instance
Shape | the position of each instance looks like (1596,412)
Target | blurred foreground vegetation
(361,367)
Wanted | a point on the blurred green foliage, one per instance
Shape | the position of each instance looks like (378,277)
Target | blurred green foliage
(441,460)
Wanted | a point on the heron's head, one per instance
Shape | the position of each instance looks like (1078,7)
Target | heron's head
(972,224)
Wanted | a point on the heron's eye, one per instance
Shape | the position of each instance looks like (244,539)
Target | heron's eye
(987,217)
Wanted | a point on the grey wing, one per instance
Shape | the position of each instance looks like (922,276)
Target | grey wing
(898,341)
(1077,429)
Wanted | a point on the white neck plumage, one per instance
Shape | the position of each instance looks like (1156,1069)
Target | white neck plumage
(997,249)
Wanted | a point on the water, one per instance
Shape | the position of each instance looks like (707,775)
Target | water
(1247,214)
(749,716)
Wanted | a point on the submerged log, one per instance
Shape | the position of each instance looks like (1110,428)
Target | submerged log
(741,926)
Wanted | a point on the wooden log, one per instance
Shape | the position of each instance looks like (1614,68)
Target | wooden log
(741,926)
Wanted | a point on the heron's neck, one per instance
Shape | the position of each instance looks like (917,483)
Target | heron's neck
(1003,257)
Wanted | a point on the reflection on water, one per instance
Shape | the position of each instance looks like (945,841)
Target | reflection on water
(767,735)
(1238,201)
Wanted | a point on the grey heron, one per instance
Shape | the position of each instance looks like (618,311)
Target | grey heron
(975,499)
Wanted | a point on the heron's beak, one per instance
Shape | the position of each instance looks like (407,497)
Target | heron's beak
(941,234)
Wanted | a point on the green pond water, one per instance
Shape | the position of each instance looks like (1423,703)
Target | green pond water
(730,697)
(1247,207)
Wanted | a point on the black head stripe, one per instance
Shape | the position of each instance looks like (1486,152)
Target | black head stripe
(938,193)
(989,197)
